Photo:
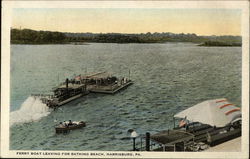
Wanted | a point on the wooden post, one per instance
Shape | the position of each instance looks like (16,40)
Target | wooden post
(147,141)
(133,143)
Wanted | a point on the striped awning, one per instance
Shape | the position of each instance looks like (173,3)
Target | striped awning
(217,112)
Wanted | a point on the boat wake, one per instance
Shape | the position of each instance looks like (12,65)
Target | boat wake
(31,110)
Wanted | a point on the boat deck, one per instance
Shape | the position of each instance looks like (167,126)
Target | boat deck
(108,89)
(72,98)
(70,85)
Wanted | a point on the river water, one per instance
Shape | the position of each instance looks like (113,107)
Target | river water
(168,78)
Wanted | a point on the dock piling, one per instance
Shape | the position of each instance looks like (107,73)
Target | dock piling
(147,141)
(134,144)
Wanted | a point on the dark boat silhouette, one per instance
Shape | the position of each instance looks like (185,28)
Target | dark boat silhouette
(67,126)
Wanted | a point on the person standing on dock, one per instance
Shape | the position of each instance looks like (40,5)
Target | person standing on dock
(183,123)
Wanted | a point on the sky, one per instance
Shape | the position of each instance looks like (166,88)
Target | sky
(130,20)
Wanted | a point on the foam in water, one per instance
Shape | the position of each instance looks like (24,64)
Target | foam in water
(31,110)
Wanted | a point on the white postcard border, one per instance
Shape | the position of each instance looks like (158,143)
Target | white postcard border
(5,72)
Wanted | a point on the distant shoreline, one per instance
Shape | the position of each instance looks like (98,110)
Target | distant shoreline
(88,43)
(220,44)
(84,43)
(32,37)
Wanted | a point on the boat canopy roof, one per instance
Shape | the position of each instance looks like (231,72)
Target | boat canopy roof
(96,76)
(170,137)
(216,112)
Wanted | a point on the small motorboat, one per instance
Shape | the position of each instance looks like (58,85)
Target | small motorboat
(65,127)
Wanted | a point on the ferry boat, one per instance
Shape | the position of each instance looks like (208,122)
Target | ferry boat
(65,127)
(65,93)
(101,82)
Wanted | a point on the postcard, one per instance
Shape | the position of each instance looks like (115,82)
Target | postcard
(125,79)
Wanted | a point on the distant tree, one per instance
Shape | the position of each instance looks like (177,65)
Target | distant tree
(36,37)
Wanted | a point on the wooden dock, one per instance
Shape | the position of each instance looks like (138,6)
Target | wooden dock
(109,89)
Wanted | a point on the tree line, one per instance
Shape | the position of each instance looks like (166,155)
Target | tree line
(28,36)
(134,38)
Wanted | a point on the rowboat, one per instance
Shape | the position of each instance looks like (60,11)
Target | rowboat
(67,126)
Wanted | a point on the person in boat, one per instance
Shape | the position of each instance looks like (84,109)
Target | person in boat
(61,125)
(65,124)
(70,123)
